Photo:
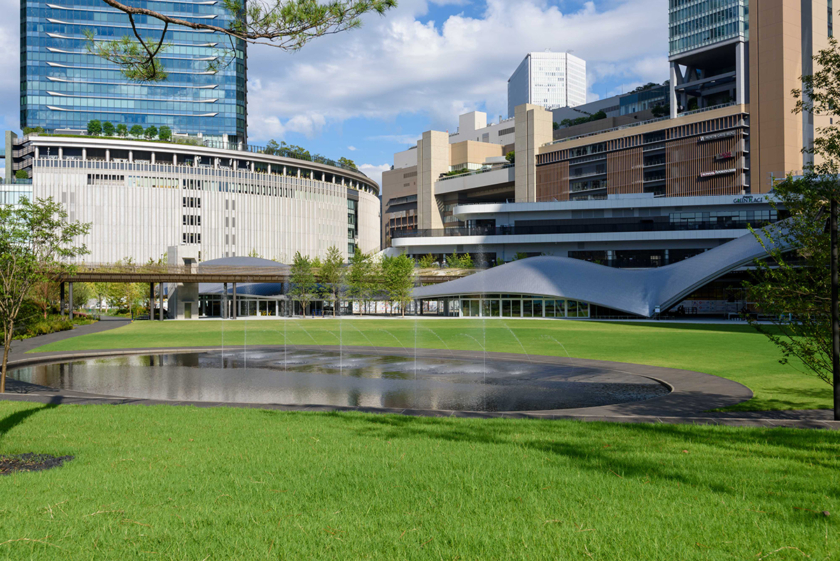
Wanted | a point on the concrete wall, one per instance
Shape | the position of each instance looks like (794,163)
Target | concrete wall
(369,222)
(138,210)
(470,152)
(433,153)
(533,129)
(396,183)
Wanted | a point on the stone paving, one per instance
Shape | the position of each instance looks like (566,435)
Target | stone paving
(692,397)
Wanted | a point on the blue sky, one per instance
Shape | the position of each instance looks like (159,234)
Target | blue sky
(368,93)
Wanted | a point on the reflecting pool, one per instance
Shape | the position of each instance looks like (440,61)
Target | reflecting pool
(303,377)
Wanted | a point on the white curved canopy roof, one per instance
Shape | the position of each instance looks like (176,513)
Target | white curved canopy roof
(635,291)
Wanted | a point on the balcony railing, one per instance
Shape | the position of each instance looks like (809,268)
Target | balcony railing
(640,123)
(589,228)
(476,172)
(252,148)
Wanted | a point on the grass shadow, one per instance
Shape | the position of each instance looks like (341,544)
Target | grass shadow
(716,327)
(776,399)
(555,438)
(19,417)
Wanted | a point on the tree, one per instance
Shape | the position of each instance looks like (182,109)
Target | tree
(809,293)
(794,288)
(21,174)
(347,163)
(165,133)
(122,130)
(511,157)
(108,128)
(94,128)
(44,294)
(331,276)
(427,261)
(150,132)
(36,244)
(303,281)
(285,24)
(661,110)
(398,279)
(127,296)
(136,131)
(360,277)
(555,125)
(100,292)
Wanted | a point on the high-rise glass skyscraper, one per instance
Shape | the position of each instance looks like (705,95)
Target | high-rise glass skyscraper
(708,53)
(65,87)
(695,24)
(548,79)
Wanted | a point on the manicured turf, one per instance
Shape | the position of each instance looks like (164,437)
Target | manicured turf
(185,483)
(736,352)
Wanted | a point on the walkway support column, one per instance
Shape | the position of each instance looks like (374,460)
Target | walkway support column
(835,309)
(71,301)
(160,314)
(225,302)
(235,311)
(151,300)
(61,301)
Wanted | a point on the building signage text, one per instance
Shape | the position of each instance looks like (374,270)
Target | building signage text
(748,199)
(717,136)
(717,172)
(724,156)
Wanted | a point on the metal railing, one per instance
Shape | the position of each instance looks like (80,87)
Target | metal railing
(476,172)
(282,152)
(239,147)
(588,228)
(640,123)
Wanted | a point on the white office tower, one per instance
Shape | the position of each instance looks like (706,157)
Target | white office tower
(548,79)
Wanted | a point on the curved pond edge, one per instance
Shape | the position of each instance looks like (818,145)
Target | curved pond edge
(692,393)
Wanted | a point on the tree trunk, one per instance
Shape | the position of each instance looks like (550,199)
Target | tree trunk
(835,312)
(7,344)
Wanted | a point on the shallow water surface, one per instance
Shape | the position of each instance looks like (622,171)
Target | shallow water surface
(353,379)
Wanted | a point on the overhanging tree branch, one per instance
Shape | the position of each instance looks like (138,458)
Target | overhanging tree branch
(284,24)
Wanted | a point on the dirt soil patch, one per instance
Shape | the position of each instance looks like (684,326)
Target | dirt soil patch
(30,462)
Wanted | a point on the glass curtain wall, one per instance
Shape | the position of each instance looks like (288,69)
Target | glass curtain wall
(698,23)
(521,306)
(64,87)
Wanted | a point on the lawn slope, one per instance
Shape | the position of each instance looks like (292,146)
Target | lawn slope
(736,352)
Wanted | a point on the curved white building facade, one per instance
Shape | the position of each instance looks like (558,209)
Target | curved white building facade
(143,197)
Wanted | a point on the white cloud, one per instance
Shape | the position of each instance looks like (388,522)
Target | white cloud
(374,171)
(10,65)
(351,148)
(410,139)
(397,64)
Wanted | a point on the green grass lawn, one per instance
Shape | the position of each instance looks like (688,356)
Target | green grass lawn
(736,352)
(188,483)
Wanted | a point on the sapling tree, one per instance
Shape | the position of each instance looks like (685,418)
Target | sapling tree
(398,279)
(302,279)
(331,275)
(800,288)
(37,244)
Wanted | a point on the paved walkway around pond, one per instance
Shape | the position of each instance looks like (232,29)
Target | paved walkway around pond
(692,397)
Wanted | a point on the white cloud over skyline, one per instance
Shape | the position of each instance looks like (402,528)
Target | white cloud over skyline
(399,64)
(424,62)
